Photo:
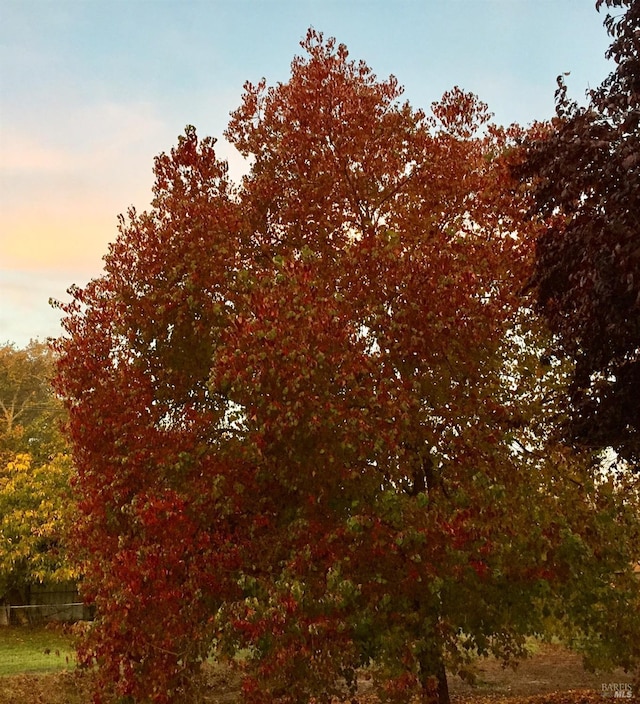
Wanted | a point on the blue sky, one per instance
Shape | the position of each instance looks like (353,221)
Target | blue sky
(92,90)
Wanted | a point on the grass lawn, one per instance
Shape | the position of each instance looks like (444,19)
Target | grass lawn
(24,649)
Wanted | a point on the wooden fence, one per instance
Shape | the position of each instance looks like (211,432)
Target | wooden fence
(47,603)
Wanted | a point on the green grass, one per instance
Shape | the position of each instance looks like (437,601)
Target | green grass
(24,649)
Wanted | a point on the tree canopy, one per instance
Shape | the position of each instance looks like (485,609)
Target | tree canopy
(585,175)
(296,407)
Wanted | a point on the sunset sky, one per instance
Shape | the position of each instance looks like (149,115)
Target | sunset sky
(92,90)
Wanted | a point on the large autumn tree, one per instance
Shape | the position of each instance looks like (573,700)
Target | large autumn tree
(585,175)
(295,431)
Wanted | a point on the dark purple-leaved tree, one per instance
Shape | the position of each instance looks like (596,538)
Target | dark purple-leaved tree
(585,175)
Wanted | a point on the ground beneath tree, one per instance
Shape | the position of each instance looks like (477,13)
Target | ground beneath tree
(551,669)
(551,676)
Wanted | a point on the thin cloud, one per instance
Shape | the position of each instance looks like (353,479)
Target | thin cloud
(85,170)
(25,312)
(22,153)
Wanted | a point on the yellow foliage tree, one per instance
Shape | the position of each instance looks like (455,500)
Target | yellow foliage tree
(35,507)
(35,472)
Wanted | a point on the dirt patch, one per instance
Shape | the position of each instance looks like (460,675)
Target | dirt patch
(551,669)
(52,688)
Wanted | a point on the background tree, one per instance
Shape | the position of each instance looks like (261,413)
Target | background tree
(35,510)
(585,176)
(30,412)
(35,474)
(288,410)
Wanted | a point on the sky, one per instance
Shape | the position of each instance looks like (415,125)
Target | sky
(92,90)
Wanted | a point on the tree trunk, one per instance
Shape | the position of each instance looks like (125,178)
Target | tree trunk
(433,678)
(443,685)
